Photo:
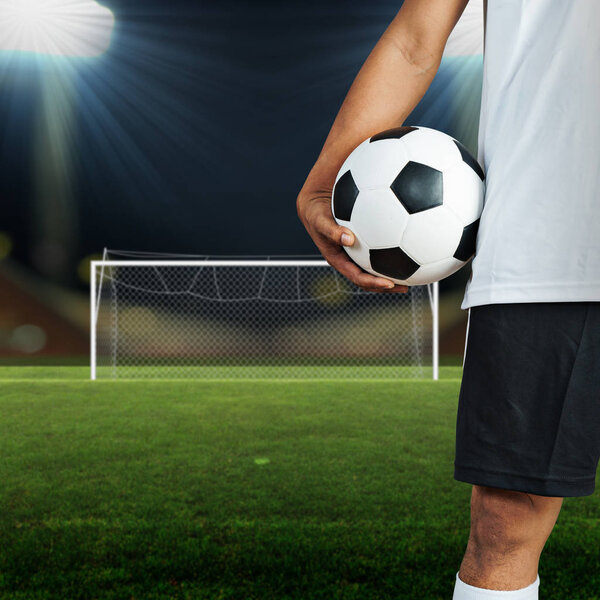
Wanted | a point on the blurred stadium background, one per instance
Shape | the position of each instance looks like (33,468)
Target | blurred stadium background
(192,134)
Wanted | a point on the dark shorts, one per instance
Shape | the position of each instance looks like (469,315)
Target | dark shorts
(529,405)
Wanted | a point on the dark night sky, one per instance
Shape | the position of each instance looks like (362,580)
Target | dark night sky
(195,132)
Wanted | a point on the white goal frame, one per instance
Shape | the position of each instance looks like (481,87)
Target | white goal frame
(99,265)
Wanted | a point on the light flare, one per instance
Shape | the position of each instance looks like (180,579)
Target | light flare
(57,27)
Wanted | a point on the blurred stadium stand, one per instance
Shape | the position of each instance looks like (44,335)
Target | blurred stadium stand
(38,318)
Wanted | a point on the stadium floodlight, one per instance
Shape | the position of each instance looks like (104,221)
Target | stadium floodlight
(168,316)
(58,27)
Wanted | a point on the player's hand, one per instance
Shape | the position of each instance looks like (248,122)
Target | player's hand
(315,213)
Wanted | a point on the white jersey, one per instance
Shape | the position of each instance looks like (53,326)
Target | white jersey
(539,144)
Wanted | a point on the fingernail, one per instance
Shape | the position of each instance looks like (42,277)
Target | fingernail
(389,284)
(346,239)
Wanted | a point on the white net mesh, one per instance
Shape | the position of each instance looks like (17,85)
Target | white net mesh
(198,319)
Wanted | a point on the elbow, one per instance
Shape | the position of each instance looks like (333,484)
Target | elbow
(419,53)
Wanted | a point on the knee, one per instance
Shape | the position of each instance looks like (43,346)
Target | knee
(503,521)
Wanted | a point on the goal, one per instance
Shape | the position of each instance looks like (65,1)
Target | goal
(165,316)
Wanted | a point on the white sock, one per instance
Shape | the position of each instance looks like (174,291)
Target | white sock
(464,591)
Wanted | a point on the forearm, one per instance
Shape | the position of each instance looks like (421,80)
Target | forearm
(389,85)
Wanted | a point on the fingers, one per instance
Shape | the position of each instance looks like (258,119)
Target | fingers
(330,237)
(339,260)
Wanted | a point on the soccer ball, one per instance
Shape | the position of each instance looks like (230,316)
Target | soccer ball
(412,196)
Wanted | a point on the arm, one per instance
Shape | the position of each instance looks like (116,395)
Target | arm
(391,82)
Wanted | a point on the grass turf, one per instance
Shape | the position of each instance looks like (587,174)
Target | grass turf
(245,490)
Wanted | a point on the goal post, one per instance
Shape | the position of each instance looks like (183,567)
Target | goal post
(164,316)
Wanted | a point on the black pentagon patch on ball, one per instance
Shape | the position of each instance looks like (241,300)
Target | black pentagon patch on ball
(345,193)
(419,187)
(393,262)
(466,246)
(392,134)
(470,160)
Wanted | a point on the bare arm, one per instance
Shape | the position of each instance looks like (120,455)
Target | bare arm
(389,85)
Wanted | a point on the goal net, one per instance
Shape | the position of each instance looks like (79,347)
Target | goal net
(171,316)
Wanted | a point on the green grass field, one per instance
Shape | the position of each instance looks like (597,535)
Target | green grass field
(245,490)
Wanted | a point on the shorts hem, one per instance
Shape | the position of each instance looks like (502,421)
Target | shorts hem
(518,293)
(522,483)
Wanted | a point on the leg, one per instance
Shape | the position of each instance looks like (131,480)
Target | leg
(508,532)
(526,420)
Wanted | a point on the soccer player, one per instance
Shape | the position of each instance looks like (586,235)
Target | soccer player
(528,421)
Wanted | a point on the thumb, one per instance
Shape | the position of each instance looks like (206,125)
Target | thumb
(346,236)
(338,234)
